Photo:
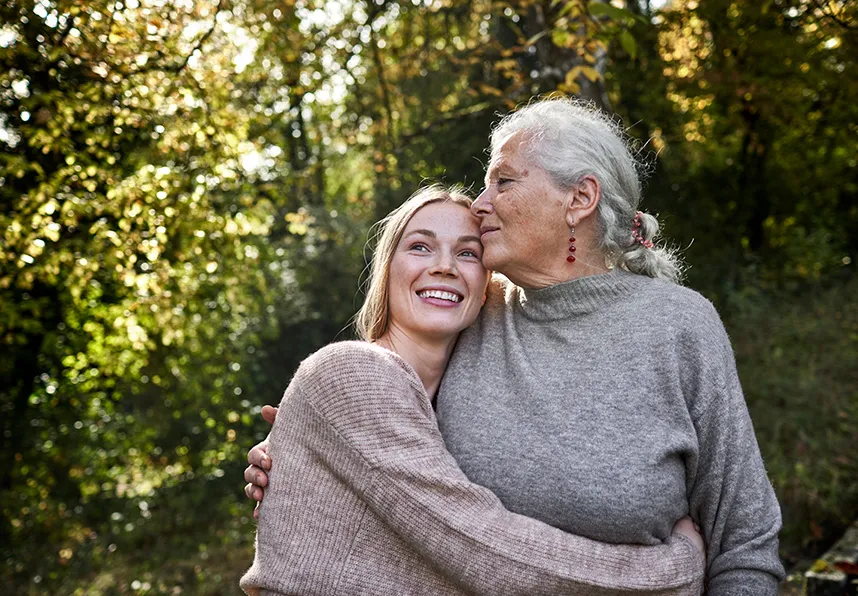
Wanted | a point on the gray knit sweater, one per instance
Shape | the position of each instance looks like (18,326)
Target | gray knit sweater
(610,407)
(364,499)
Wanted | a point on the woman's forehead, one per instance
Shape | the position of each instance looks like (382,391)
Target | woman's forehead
(505,163)
(509,154)
(442,215)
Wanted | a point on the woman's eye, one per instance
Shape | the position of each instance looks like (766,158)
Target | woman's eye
(470,253)
(419,247)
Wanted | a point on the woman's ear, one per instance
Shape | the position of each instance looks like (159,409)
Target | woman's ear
(584,199)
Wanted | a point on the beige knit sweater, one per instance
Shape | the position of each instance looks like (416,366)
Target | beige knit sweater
(363,498)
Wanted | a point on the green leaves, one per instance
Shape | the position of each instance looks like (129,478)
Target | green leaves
(179,231)
(628,44)
(606,9)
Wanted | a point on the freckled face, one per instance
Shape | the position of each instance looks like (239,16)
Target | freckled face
(522,214)
(437,280)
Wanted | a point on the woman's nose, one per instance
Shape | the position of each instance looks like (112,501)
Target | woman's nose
(445,264)
(483,205)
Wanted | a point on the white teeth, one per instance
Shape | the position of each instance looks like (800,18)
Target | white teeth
(439,294)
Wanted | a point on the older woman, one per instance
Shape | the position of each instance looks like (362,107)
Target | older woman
(593,392)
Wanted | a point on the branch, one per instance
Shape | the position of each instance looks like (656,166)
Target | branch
(66,30)
(109,28)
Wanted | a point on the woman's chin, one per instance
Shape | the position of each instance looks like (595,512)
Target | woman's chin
(438,330)
(493,260)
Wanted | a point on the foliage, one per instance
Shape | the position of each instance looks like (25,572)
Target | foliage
(749,106)
(131,282)
(798,360)
(185,191)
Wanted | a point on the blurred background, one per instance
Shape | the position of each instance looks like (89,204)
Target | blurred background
(186,189)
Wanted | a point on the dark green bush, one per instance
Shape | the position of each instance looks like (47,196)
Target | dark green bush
(797,355)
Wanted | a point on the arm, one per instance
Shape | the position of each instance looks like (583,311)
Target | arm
(733,500)
(415,486)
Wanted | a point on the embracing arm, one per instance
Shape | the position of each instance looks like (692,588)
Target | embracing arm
(381,416)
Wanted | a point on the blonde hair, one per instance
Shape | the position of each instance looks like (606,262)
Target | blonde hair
(373,318)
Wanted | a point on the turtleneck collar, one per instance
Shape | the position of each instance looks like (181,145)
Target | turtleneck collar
(578,297)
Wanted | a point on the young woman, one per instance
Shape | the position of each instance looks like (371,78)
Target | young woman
(365,499)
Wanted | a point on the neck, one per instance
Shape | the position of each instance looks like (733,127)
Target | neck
(427,355)
(586,264)
(549,267)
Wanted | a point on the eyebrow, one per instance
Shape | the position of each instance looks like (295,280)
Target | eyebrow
(502,165)
(492,169)
(432,234)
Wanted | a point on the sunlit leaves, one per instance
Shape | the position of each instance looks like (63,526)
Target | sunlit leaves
(751,84)
(187,187)
(132,255)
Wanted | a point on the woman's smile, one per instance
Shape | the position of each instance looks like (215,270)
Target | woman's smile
(437,279)
(440,296)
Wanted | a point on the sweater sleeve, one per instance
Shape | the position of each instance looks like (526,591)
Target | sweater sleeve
(378,411)
(732,499)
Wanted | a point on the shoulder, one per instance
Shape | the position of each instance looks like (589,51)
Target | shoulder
(350,357)
(685,323)
(357,386)
(683,310)
(678,295)
(348,366)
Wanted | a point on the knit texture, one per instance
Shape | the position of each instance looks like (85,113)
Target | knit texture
(610,407)
(363,498)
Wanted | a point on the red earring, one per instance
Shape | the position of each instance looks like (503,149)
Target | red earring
(571,257)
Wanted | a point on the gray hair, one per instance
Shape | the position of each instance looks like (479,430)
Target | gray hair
(571,139)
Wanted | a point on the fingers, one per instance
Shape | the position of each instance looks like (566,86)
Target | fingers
(269,413)
(259,458)
(684,524)
(259,462)
(256,477)
(253,491)
(688,519)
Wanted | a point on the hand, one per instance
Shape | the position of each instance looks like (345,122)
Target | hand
(260,463)
(690,530)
